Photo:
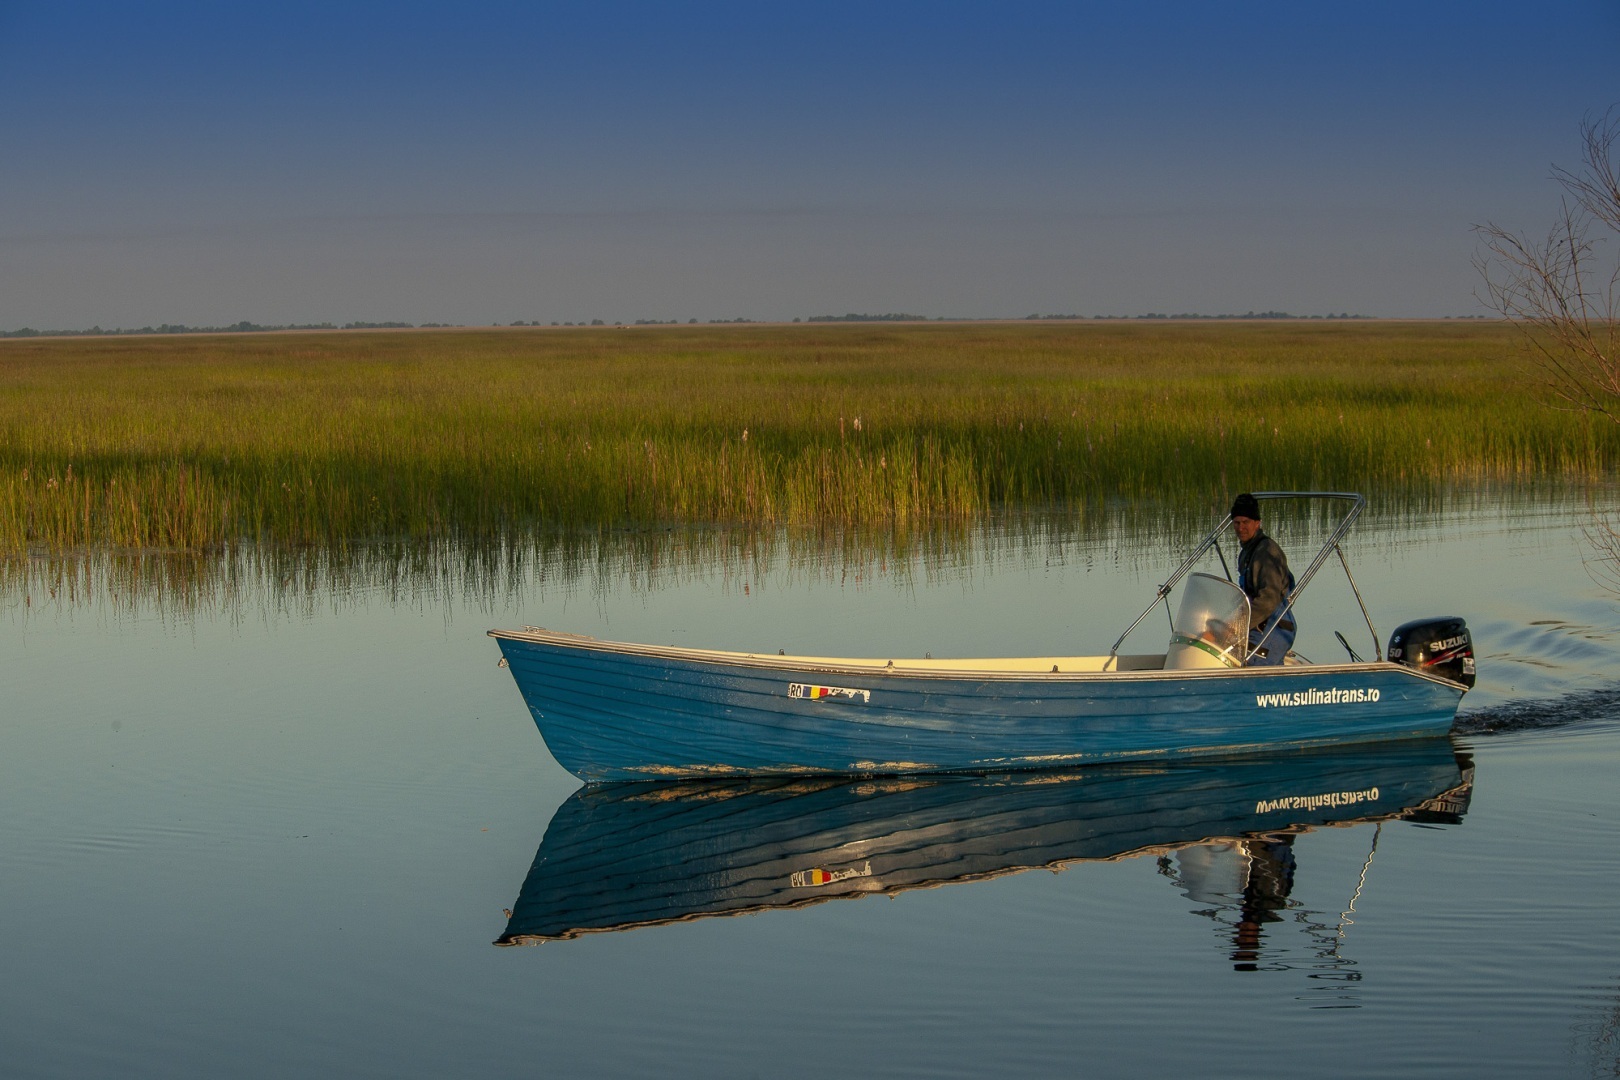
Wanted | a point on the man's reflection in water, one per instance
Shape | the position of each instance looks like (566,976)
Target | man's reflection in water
(1253,876)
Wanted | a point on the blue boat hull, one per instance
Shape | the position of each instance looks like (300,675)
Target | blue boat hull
(612,712)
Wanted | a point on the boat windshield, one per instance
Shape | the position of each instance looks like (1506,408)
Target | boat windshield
(1215,612)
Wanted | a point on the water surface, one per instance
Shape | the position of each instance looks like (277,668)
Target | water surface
(265,823)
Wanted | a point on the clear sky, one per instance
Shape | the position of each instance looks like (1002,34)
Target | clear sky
(205,163)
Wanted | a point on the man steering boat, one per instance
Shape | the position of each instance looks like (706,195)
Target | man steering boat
(1264,577)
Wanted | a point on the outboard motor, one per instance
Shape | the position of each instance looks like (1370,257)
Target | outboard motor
(1439,645)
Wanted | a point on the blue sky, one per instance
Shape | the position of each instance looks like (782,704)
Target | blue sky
(205,163)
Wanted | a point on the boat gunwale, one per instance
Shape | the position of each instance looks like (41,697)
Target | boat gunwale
(898,668)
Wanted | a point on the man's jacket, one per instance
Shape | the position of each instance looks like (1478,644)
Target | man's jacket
(1263,575)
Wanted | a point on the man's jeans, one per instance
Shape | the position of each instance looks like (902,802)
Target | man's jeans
(1277,644)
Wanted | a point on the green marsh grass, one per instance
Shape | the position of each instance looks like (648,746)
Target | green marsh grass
(495,436)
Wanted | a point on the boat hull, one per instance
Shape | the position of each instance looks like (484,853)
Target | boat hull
(611,712)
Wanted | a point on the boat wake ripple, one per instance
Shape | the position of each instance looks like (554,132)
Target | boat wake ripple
(1580,706)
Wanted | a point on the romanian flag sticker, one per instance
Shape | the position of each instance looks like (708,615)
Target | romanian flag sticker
(817,693)
(808,879)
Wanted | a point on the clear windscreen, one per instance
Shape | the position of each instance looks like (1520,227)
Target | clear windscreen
(1214,611)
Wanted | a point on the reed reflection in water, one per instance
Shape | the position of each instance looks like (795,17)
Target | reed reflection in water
(233,581)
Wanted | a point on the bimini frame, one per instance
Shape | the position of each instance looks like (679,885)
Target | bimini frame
(1331,547)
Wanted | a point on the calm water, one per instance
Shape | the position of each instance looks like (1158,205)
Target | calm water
(272,824)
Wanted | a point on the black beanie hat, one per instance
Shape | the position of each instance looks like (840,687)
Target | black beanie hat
(1246,505)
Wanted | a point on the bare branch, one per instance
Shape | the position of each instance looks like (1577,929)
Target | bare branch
(1561,292)
(1603,536)
(1561,295)
(1597,187)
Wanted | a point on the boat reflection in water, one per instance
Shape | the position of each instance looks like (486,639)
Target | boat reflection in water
(621,856)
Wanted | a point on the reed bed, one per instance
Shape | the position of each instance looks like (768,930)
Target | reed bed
(496,436)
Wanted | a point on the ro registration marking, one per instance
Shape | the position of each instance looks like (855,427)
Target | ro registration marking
(811,692)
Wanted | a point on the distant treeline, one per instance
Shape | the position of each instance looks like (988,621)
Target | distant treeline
(243,327)
(900,317)
(1197,315)
(851,317)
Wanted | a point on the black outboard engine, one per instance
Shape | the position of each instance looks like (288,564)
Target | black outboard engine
(1440,645)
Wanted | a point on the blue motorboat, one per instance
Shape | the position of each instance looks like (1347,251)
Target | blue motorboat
(615,711)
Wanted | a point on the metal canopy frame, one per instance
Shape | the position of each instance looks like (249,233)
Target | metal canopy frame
(1331,547)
